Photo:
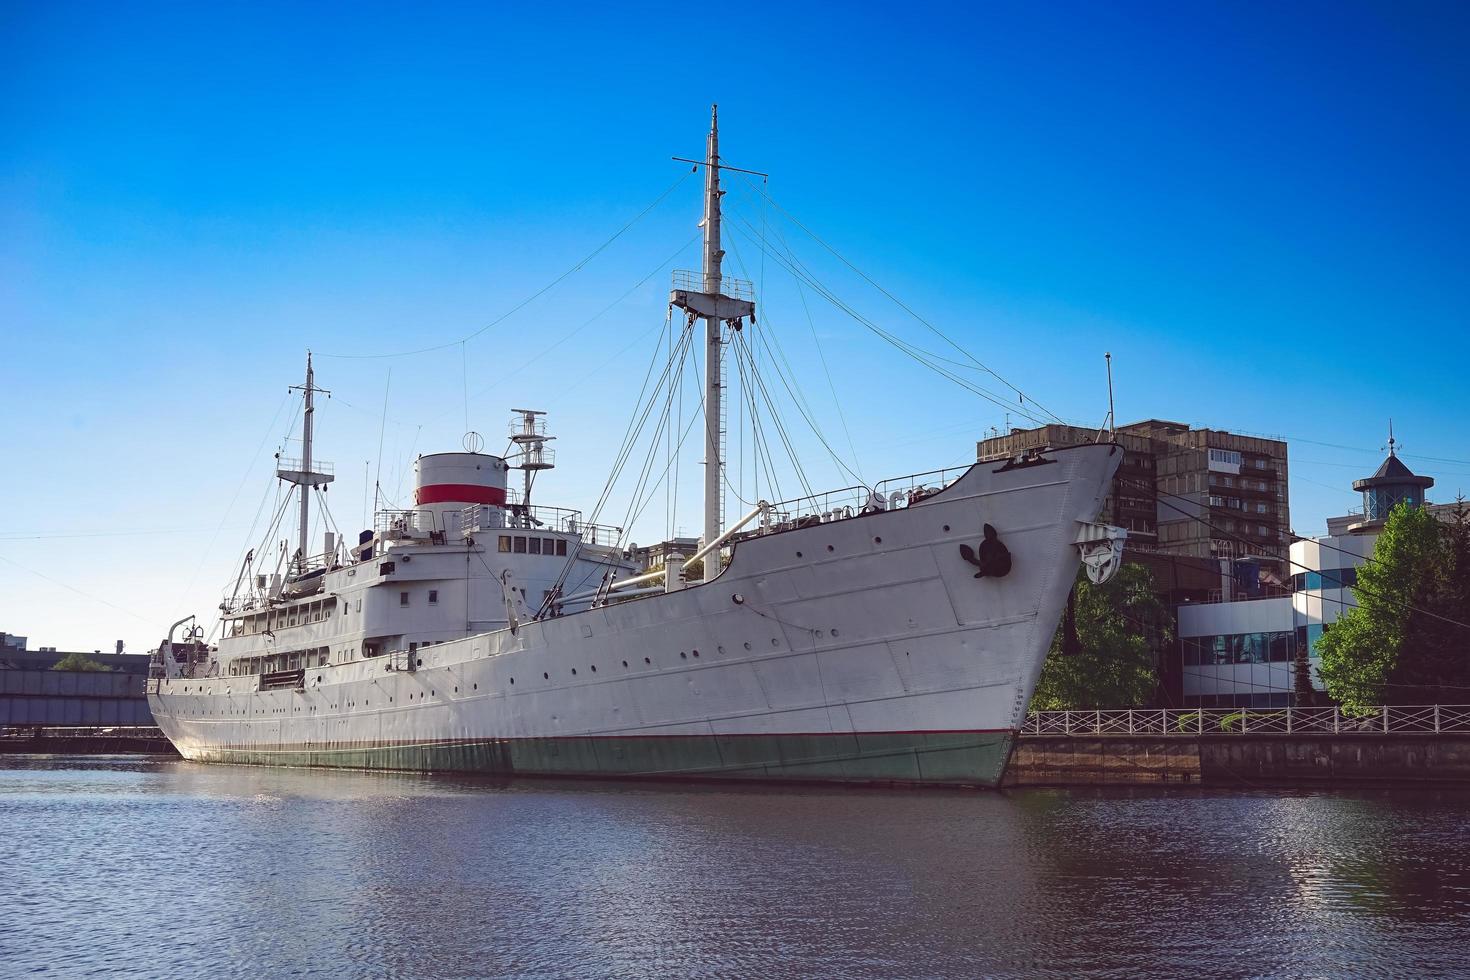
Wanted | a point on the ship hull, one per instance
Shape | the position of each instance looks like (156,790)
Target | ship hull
(863,649)
(917,758)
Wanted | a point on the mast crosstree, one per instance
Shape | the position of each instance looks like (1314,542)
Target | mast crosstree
(713,302)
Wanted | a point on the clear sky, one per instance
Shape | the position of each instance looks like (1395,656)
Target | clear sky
(1260,209)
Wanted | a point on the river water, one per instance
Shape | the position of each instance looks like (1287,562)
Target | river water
(139,866)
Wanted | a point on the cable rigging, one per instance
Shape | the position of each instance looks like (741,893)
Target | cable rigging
(531,298)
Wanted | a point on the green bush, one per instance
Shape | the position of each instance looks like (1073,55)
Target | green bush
(80,661)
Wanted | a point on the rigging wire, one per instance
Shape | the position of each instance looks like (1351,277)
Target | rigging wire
(765,196)
(919,354)
(534,296)
(769,337)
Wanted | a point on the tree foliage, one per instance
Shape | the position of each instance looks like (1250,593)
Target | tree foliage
(1403,642)
(1107,649)
(80,661)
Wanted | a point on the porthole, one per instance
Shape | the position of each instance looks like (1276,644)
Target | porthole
(747,644)
(946,527)
(594,668)
(477,687)
(834,632)
(456,690)
(545,676)
(647,661)
(574,672)
(625,663)
(798,554)
(775,642)
(512,680)
(877,540)
(683,655)
(696,653)
(829,547)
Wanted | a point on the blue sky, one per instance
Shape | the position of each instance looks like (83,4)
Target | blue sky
(1259,209)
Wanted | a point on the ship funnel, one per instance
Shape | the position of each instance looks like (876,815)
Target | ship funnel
(446,483)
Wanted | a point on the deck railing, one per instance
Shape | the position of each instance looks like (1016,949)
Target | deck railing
(1432,719)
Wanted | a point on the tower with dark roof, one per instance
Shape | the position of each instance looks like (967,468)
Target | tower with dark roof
(1393,484)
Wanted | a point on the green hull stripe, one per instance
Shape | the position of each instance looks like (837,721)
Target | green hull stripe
(924,758)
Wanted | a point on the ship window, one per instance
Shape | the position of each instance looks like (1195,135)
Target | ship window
(403,598)
(548,546)
(520,545)
(359,605)
(561,547)
(412,647)
(505,542)
(433,597)
(535,546)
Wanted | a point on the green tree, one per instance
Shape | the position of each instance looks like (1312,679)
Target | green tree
(80,661)
(1402,643)
(1106,651)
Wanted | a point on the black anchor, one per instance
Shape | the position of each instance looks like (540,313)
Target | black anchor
(994,560)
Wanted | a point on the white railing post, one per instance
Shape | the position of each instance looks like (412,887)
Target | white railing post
(1130,721)
(1385,719)
(1097,721)
(1336,719)
(1288,719)
(1199,720)
(1245,720)
(1436,719)
(1067,722)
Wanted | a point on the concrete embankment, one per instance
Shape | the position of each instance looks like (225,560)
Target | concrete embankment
(1235,760)
(77,741)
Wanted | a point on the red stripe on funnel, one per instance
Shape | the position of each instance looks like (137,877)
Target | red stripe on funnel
(459,493)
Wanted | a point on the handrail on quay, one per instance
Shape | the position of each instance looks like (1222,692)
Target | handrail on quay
(1433,719)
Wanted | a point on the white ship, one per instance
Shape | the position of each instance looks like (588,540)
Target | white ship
(894,634)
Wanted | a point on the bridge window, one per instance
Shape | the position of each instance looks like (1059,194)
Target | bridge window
(403,598)
(548,546)
(561,547)
(505,542)
(433,597)
(535,544)
(520,545)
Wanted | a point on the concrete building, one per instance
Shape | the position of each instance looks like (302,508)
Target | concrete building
(1242,653)
(1188,498)
(653,555)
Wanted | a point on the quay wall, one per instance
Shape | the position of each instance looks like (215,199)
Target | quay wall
(72,698)
(1235,760)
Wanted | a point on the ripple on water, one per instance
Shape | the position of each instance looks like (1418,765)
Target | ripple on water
(125,866)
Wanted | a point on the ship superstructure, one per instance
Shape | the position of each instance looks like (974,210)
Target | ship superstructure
(884,633)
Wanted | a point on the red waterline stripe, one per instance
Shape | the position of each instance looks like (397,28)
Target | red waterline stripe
(459,493)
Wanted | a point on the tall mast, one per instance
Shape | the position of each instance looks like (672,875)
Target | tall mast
(713,255)
(716,308)
(306,455)
(305,472)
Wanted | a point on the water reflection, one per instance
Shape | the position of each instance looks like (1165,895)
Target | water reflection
(158,867)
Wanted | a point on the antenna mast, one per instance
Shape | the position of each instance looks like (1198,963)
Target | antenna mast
(717,309)
(300,471)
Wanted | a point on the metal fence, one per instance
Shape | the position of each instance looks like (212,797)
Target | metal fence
(1433,719)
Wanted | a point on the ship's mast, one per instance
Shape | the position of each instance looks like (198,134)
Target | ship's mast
(717,309)
(713,255)
(306,415)
(300,471)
